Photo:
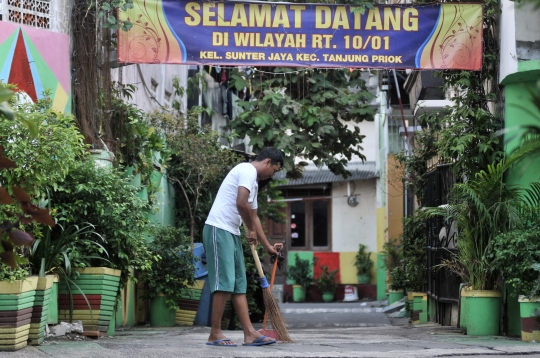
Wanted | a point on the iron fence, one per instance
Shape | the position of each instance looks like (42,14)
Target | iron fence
(443,285)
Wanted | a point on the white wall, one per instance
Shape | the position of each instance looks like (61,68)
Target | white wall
(508,55)
(145,97)
(354,225)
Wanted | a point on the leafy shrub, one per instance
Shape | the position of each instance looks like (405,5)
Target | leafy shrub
(43,160)
(514,254)
(300,272)
(327,281)
(12,274)
(363,261)
(414,251)
(173,266)
(14,218)
(103,198)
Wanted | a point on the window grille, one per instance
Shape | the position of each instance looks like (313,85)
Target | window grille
(36,13)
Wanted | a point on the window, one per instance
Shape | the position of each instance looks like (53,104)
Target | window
(308,221)
(34,13)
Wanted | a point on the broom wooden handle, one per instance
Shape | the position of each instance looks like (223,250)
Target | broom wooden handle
(256,259)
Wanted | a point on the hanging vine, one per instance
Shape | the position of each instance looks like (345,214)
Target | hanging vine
(464,134)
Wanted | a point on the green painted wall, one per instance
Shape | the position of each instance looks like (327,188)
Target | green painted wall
(381,276)
(519,111)
(304,255)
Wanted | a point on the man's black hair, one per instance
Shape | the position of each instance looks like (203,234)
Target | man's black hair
(270,152)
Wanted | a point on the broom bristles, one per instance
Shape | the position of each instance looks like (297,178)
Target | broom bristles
(276,318)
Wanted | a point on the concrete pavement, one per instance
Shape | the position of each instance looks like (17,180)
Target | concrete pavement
(383,337)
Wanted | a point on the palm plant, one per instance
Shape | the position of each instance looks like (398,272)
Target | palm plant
(62,248)
(484,207)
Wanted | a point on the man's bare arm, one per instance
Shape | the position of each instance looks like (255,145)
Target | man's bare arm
(245,211)
(261,236)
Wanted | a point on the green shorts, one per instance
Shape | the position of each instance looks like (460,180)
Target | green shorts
(225,260)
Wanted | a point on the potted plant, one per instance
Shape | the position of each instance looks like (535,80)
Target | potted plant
(363,264)
(413,265)
(393,257)
(17,290)
(170,278)
(515,255)
(483,207)
(326,283)
(301,274)
(104,198)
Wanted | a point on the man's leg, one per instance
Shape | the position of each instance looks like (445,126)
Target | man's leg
(241,309)
(218,306)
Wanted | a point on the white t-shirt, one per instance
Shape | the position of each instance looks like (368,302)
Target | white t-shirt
(224,214)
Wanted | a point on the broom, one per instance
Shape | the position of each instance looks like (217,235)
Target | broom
(278,323)
(272,333)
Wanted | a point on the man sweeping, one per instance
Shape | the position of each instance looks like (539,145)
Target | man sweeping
(236,203)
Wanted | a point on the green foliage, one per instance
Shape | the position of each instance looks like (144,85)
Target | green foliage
(139,145)
(514,254)
(393,260)
(12,274)
(108,11)
(172,268)
(102,197)
(398,278)
(197,167)
(5,109)
(415,163)
(66,246)
(466,129)
(45,159)
(484,207)
(15,220)
(363,261)
(393,251)
(414,261)
(300,272)
(313,107)
(327,281)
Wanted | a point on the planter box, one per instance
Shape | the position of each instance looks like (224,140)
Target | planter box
(160,314)
(40,311)
(483,312)
(419,313)
(394,296)
(52,317)
(189,304)
(530,327)
(16,306)
(92,298)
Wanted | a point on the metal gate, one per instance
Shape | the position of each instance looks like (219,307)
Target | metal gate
(443,285)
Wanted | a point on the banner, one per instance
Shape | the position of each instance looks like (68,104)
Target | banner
(434,36)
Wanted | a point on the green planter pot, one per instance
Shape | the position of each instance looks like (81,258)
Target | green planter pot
(93,295)
(328,296)
(394,296)
(299,294)
(483,312)
(463,310)
(420,309)
(16,307)
(40,310)
(52,316)
(160,314)
(363,279)
(530,327)
(189,304)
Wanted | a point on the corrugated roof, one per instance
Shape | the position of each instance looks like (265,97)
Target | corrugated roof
(314,175)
